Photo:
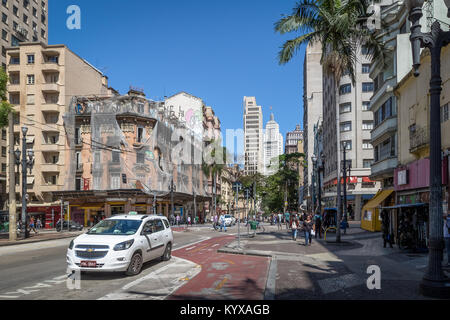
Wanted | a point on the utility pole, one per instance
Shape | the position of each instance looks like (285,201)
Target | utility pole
(24,181)
(171,197)
(344,169)
(12,181)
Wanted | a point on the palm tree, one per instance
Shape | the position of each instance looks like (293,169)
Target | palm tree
(338,25)
(214,171)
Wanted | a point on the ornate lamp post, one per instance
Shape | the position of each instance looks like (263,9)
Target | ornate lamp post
(434,283)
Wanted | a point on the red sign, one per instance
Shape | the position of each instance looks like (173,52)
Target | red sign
(86,184)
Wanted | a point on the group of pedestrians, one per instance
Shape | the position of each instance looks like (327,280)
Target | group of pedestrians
(33,225)
(308,224)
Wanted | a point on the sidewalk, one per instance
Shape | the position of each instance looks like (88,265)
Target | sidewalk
(42,235)
(333,271)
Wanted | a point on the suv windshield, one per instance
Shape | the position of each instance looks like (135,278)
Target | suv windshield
(116,227)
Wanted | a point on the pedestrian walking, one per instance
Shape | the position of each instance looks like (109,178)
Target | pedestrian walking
(307,227)
(279,221)
(447,238)
(318,225)
(385,228)
(178,219)
(294,225)
(32,225)
(38,224)
(189,220)
(222,223)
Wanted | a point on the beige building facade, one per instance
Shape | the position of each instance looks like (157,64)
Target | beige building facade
(43,79)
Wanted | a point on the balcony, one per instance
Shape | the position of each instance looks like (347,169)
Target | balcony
(384,168)
(50,67)
(386,128)
(50,107)
(50,147)
(50,88)
(418,140)
(49,188)
(50,167)
(50,127)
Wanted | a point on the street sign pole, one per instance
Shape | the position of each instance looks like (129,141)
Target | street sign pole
(239,220)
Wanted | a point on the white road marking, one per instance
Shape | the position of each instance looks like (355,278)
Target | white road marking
(159,284)
(190,244)
(35,288)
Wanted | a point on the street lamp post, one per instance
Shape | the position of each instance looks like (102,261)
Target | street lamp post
(320,169)
(344,169)
(314,161)
(26,162)
(434,283)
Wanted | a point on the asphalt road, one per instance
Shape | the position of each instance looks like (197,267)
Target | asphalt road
(38,270)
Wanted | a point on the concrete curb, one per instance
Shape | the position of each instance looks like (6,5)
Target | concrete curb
(246,252)
(19,242)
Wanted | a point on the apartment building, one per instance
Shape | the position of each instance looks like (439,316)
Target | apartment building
(312,109)
(347,118)
(273,146)
(43,80)
(253,137)
(22,20)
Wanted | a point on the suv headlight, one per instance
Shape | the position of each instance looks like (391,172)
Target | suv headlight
(71,245)
(124,245)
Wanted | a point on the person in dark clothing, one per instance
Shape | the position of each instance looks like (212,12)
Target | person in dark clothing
(307,227)
(318,225)
(385,228)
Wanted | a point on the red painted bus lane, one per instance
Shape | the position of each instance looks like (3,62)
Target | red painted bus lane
(223,276)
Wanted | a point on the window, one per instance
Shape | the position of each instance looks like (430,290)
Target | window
(345,107)
(364,50)
(78,161)
(140,108)
(30,79)
(140,135)
(52,59)
(365,68)
(3,134)
(140,157)
(16,11)
(14,98)
(367,163)
(34,12)
(78,184)
(55,159)
(30,58)
(367,86)
(14,60)
(43,33)
(5,3)
(3,151)
(367,145)
(4,35)
(25,18)
(367,125)
(444,113)
(346,126)
(3,167)
(77,135)
(366,106)
(115,181)
(348,144)
(14,41)
(346,88)
(26,3)
(4,18)
(116,156)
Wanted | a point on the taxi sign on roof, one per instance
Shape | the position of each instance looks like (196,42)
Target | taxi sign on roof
(133,213)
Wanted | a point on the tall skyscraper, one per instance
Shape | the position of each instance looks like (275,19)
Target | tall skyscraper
(347,118)
(273,146)
(253,135)
(292,140)
(312,108)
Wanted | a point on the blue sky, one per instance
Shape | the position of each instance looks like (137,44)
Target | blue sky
(220,51)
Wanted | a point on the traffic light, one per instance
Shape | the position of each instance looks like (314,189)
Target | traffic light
(251,192)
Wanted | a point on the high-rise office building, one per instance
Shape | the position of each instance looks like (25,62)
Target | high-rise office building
(21,21)
(253,137)
(347,118)
(273,146)
(312,109)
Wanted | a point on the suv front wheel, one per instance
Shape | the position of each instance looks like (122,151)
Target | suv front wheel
(167,253)
(135,266)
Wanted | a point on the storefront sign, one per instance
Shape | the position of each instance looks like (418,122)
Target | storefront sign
(402,177)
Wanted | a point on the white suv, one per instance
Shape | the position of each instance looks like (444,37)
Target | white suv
(122,243)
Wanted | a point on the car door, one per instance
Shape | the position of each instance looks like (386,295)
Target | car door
(167,233)
(149,241)
(159,237)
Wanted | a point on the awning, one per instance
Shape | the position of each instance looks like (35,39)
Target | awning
(408,205)
(379,197)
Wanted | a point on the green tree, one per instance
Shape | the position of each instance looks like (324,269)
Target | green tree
(338,25)
(5,107)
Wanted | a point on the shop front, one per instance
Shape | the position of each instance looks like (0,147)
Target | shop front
(49,215)
(371,219)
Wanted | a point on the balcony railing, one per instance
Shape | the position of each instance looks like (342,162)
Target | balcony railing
(418,139)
